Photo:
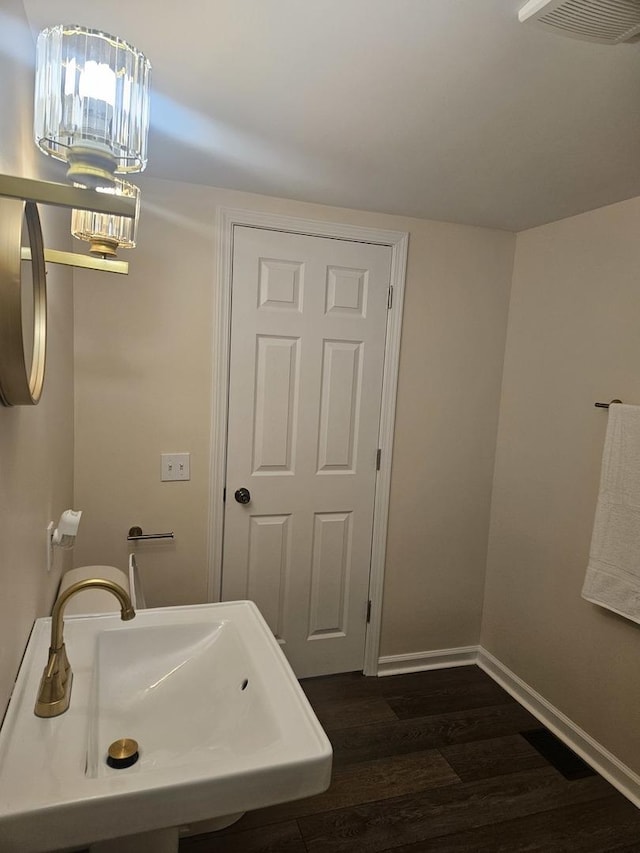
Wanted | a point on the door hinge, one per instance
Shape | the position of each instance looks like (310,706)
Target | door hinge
(378,458)
(390,296)
(224,495)
(368,611)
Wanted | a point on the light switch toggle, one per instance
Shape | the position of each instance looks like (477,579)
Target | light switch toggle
(175,466)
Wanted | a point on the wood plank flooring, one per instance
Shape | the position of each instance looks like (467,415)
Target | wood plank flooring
(436,761)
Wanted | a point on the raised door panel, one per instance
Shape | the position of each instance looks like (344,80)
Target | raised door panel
(339,406)
(330,565)
(276,404)
(268,567)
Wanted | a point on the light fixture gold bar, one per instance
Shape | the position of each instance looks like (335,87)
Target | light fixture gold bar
(71,259)
(61,195)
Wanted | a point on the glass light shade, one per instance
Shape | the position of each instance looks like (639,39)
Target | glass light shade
(91,103)
(105,232)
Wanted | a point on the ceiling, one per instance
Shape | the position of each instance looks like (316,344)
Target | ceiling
(441,109)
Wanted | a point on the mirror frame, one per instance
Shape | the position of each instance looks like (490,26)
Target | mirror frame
(21,383)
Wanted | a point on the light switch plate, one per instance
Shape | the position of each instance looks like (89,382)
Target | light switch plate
(175,466)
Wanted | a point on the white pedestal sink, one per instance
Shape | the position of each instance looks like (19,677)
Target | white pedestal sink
(221,722)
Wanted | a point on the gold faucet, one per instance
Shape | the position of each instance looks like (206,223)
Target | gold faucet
(55,687)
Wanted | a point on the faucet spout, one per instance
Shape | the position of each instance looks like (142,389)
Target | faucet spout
(55,686)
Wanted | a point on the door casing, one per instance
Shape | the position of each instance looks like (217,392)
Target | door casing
(226,220)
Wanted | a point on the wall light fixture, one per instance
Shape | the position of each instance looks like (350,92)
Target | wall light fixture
(92,112)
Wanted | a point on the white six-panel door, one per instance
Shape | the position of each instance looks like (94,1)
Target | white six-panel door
(307,352)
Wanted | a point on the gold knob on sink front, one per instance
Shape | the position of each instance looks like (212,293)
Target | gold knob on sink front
(122,753)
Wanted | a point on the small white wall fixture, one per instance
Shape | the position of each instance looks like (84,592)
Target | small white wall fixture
(398,241)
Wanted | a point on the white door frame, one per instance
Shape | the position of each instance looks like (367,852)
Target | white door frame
(227,219)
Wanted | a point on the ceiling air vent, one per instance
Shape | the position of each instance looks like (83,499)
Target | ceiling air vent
(605,21)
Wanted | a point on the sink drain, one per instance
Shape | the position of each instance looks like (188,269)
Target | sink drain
(122,753)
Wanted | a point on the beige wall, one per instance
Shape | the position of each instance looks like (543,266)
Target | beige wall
(36,444)
(143,386)
(573,339)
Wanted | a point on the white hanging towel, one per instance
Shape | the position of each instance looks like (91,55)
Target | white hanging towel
(613,574)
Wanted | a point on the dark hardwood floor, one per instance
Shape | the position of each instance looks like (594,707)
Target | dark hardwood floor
(441,761)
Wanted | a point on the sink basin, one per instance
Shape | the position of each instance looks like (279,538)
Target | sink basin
(221,722)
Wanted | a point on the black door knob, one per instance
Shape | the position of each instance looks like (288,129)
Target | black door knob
(243,496)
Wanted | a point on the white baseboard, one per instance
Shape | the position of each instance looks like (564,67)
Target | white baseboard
(419,661)
(603,761)
(597,756)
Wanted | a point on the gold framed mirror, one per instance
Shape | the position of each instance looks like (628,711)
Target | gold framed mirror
(23,305)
